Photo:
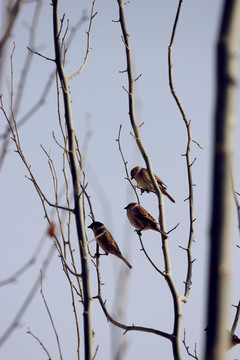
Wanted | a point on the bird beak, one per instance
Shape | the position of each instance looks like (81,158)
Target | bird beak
(89,226)
(125,207)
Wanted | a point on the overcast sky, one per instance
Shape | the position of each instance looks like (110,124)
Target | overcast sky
(100,106)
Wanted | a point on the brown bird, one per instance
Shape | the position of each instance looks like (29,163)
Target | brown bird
(105,240)
(141,219)
(144,182)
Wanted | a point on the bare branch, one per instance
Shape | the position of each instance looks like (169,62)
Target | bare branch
(23,308)
(235,199)
(148,257)
(88,42)
(138,77)
(39,54)
(187,155)
(51,318)
(187,347)
(167,261)
(40,343)
(125,163)
(221,234)
(236,318)
(25,69)
(78,204)
(131,327)
(12,15)
(169,231)
(201,147)
(117,323)
(13,278)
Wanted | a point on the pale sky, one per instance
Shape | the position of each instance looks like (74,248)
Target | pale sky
(100,106)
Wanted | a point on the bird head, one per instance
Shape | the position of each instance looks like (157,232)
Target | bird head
(130,206)
(134,171)
(95,225)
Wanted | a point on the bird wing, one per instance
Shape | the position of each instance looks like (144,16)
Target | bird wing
(145,215)
(144,175)
(160,182)
(163,188)
(147,221)
(110,244)
(149,182)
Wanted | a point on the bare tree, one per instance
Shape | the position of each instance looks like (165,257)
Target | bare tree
(222,201)
(69,202)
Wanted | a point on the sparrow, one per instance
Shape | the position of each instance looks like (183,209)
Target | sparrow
(105,240)
(141,219)
(144,182)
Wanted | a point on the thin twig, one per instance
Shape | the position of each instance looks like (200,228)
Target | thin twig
(51,318)
(12,15)
(39,54)
(88,42)
(187,155)
(169,231)
(167,260)
(236,318)
(117,323)
(43,197)
(13,278)
(25,305)
(201,147)
(25,73)
(40,343)
(148,257)
(125,163)
(236,200)
(76,184)
(187,347)
(96,351)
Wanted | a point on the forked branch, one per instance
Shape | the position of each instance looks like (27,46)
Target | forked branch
(77,193)
(136,130)
(187,156)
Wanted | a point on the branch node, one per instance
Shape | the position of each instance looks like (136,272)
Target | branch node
(137,77)
(201,147)
(193,162)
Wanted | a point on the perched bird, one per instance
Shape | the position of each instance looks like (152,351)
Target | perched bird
(141,219)
(144,182)
(105,240)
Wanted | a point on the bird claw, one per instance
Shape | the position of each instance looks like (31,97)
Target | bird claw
(138,232)
(144,190)
(99,254)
